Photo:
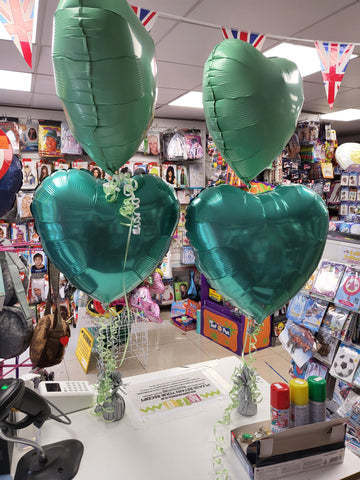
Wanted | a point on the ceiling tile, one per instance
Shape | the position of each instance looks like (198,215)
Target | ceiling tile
(10,97)
(174,75)
(44,84)
(180,112)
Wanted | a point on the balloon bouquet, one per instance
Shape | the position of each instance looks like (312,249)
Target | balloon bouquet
(257,250)
(105,237)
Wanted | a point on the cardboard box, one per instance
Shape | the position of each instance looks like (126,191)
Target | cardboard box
(295,450)
(184,322)
(184,307)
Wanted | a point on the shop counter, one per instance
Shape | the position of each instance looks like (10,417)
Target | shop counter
(175,444)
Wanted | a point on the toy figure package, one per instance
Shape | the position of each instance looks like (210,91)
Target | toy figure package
(169,173)
(174,146)
(19,232)
(154,168)
(68,142)
(29,136)
(327,280)
(348,294)
(308,285)
(334,320)
(49,138)
(315,368)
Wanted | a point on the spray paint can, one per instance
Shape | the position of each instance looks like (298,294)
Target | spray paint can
(299,402)
(279,407)
(317,399)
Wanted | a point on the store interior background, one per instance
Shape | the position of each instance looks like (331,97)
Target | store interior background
(181,51)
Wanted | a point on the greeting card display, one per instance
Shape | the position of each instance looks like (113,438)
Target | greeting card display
(327,280)
(24,200)
(348,294)
(68,142)
(334,320)
(29,171)
(29,132)
(49,138)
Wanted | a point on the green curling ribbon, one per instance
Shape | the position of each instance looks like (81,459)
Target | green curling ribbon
(123,182)
(252,330)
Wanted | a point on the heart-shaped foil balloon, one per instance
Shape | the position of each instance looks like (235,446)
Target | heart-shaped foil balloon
(251,105)
(257,250)
(87,238)
(105,75)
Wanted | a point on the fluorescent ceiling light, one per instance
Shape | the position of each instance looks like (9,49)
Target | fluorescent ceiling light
(306,58)
(347,115)
(15,80)
(190,99)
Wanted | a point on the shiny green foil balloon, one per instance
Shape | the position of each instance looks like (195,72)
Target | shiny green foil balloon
(105,75)
(257,250)
(83,235)
(251,105)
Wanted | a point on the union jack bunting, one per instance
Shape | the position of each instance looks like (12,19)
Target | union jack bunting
(146,17)
(334,59)
(17,17)
(256,39)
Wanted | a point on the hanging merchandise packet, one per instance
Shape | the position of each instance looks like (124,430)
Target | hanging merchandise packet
(327,280)
(348,294)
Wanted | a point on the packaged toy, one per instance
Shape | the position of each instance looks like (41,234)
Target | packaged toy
(348,294)
(327,280)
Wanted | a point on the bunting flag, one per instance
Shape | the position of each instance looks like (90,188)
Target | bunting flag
(146,17)
(17,16)
(334,59)
(255,39)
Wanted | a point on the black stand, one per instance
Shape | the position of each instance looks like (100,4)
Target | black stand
(62,462)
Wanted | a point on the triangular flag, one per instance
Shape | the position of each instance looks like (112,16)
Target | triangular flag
(146,17)
(334,59)
(17,16)
(255,39)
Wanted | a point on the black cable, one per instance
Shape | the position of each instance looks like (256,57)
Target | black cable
(62,414)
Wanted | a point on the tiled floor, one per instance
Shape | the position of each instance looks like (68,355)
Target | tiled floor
(168,347)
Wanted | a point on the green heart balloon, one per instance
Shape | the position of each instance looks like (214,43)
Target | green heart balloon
(105,76)
(257,250)
(251,105)
(86,237)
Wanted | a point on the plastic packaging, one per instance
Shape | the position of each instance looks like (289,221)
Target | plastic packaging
(299,402)
(279,407)
(317,399)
